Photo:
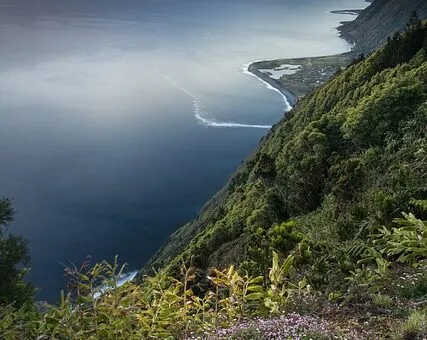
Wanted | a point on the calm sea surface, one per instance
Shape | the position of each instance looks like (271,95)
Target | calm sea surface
(106,137)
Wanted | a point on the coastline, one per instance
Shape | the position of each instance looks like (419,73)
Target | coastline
(290,98)
(347,11)
(316,70)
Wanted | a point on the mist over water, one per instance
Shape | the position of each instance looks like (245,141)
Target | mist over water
(120,118)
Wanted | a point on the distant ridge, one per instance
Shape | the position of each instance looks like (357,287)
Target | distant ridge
(381,19)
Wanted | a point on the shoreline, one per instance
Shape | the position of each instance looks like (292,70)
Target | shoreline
(347,11)
(289,98)
(289,92)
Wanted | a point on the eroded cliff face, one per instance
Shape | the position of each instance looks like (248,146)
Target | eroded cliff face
(380,20)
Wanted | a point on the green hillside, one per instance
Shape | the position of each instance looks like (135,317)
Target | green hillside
(351,154)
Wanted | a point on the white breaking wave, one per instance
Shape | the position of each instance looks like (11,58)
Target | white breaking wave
(199,113)
(210,122)
(127,277)
(124,278)
(245,69)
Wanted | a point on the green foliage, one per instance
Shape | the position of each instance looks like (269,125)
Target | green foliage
(284,238)
(404,243)
(282,289)
(161,307)
(265,167)
(407,242)
(243,292)
(420,205)
(381,300)
(18,323)
(411,283)
(415,327)
(401,47)
(14,260)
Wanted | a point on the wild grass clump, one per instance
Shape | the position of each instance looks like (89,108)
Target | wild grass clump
(382,300)
(410,282)
(415,327)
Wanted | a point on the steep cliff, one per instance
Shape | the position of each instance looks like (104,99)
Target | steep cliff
(380,20)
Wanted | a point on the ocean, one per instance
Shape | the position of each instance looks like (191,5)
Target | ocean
(121,118)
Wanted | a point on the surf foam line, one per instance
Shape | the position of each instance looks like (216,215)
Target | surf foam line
(245,69)
(198,112)
(124,278)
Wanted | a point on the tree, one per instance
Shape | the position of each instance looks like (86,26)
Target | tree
(14,260)
(414,23)
(265,168)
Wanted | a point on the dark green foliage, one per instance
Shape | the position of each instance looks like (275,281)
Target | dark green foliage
(284,237)
(265,168)
(6,212)
(399,49)
(13,260)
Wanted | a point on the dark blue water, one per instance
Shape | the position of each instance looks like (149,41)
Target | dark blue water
(99,144)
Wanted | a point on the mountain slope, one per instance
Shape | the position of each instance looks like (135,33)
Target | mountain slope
(380,20)
(352,152)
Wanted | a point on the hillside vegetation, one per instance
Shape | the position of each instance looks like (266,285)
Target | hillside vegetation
(319,235)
